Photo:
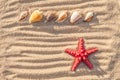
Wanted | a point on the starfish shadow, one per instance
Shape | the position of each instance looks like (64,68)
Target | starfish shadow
(97,70)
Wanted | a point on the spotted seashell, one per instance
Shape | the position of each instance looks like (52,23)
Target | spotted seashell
(36,16)
(23,15)
(50,16)
(62,16)
(75,17)
(88,17)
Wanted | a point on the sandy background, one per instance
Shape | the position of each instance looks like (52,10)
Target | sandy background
(36,52)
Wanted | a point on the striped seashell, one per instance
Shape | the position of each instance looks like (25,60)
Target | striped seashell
(23,15)
(88,17)
(50,16)
(62,16)
(36,16)
(75,17)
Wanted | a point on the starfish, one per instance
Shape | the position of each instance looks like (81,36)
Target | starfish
(81,54)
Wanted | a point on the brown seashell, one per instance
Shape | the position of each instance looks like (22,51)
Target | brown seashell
(75,17)
(62,16)
(88,17)
(50,16)
(23,15)
(36,16)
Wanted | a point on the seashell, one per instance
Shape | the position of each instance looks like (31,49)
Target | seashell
(36,16)
(88,17)
(75,17)
(23,15)
(50,16)
(62,17)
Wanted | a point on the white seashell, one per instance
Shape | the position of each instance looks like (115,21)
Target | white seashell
(62,16)
(75,17)
(23,15)
(88,17)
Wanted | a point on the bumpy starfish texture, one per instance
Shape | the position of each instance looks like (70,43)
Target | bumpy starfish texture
(81,54)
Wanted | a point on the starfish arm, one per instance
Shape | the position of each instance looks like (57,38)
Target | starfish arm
(75,64)
(92,50)
(81,44)
(88,63)
(71,52)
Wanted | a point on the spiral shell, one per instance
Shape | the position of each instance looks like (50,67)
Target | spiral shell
(36,16)
(23,15)
(62,16)
(88,17)
(50,16)
(75,17)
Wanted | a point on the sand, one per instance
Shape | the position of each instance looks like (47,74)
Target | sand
(36,51)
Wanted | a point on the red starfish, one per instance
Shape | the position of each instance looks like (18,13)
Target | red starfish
(81,54)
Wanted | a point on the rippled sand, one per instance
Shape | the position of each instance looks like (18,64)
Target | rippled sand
(36,52)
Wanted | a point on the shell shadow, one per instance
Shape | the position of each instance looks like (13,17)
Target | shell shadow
(66,26)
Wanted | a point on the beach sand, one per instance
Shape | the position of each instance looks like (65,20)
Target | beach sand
(36,51)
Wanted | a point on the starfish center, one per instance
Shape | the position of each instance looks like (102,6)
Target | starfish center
(81,54)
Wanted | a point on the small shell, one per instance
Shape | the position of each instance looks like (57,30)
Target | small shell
(75,17)
(36,16)
(50,16)
(88,17)
(23,15)
(62,17)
